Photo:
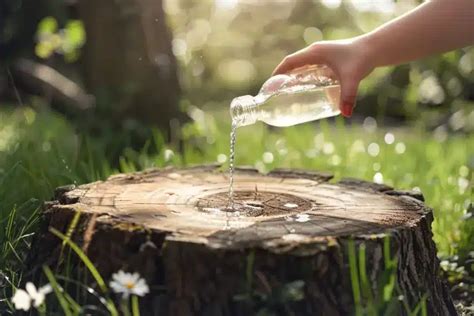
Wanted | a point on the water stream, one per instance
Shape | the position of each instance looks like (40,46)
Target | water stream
(233,135)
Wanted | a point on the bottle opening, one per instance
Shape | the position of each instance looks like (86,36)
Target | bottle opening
(243,110)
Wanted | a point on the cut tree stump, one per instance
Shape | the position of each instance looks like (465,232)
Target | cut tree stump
(287,253)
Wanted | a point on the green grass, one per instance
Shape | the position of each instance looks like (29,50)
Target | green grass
(40,151)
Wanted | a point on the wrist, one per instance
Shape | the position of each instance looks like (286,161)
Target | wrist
(368,50)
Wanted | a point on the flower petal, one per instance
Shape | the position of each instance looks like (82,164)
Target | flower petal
(38,299)
(21,300)
(135,277)
(31,289)
(46,289)
(117,287)
(141,288)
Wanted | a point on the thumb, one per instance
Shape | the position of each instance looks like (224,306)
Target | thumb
(348,96)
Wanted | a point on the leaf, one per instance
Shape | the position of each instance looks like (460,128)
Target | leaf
(353,268)
(47,26)
(90,266)
(75,33)
(58,291)
(43,50)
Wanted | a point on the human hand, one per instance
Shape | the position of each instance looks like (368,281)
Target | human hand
(348,59)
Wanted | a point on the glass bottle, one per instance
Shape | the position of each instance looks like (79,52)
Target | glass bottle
(305,94)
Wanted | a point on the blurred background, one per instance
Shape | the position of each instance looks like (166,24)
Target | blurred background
(148,62)
(89,88)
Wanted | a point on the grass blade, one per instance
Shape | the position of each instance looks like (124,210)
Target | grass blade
(135,306)
(62,300)
(354,277)
(89,265)
(365,285)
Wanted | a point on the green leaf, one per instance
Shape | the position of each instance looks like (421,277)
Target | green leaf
(90,266)
(48,25)
(43,51)
(58,291)
(354,277)
(135,306)
(75,33)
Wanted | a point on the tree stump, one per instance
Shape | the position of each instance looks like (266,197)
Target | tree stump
(286,254)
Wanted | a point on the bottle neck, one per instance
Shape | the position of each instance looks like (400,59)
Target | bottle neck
(244,110)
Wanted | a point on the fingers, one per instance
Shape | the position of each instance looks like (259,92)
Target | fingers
(303,57)
(348,96)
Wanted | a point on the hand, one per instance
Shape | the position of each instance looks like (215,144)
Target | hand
(349,60)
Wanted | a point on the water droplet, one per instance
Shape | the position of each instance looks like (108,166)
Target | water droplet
(358,147)
(389,138)
(221,158)
(328,148)
(254,204)
(290,205)
(373,149)
(400,148)
(331,4)
(312,34)
(267,157)
(179,47)
(46,146)
(212,210)
(168,154)
(463,171)
(293,237)
(335,160)
(463,183)
(301,218)
(311,153)
(370,124)
(440,133)
(282,151)
(174,175)
(378,178)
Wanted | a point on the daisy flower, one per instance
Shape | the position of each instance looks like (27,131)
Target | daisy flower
(128,283)
(23,299)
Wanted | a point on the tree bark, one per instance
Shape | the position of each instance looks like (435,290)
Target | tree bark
(129,64)
(287,252)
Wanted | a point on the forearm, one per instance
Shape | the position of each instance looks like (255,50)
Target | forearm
(434,27)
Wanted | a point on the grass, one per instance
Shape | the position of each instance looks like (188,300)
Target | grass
(40,151)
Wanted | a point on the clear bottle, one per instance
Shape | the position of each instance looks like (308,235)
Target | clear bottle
(305,94)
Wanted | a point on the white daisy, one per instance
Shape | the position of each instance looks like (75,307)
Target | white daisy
(23,299)
(128,283)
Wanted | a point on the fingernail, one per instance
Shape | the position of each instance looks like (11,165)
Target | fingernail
(346,109)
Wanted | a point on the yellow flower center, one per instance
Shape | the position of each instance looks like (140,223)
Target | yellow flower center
(130,285)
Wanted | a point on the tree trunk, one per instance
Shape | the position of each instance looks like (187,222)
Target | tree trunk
(128,61)
(286,254)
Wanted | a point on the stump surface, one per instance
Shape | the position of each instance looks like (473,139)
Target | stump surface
(190,204)
(291,234)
